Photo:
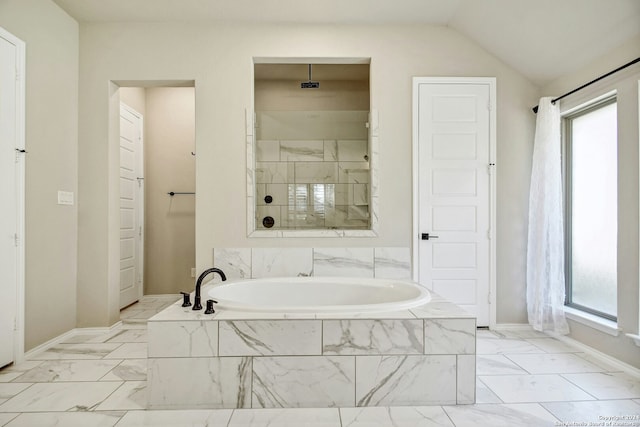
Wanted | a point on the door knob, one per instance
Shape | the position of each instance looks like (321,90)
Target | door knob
(427,236)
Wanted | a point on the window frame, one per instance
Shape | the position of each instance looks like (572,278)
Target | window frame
(567,178)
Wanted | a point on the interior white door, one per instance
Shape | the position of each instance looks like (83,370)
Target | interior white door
(131,206)
(453,144)
(8,195)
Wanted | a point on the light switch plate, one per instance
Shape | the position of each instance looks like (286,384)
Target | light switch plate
(65,197)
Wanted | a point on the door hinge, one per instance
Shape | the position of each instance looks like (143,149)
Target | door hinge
(489,105)
(489,234)
(16,239)
(140,231)
(18,152)
(489,298)
(17,75)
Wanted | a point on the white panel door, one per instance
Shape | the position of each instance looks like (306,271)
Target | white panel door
(131,205)
(8,195)
(453,144)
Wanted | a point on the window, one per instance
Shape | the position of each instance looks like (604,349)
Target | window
(591,192)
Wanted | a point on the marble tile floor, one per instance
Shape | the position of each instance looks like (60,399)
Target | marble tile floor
(524,378)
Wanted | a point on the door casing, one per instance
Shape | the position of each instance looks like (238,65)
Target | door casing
(491,82)
(19,184)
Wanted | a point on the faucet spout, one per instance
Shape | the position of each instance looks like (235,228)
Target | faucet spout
(197,305)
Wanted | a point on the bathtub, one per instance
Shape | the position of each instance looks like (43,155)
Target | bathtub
(319,295)
(312,342)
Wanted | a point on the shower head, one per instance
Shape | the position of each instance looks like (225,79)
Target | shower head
(309,84)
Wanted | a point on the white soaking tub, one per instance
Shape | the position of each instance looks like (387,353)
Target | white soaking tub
(319,295)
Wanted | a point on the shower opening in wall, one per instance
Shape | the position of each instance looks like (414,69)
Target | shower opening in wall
(311,168)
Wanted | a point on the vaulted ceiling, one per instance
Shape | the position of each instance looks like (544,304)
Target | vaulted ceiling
(542,39)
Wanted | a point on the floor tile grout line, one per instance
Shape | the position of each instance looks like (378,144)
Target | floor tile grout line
(581,388)
(233,411)
(448,415)
(584,355)
(17,415)
(517,364)
(15,395)
(488,388)
(119,419)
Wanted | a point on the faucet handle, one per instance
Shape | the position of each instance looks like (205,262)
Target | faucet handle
(186,301)
(210,309)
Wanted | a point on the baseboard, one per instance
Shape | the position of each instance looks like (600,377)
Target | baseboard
(175,297)
(512,327)
(605,358)
(65,336)
(616,363)
(45,346)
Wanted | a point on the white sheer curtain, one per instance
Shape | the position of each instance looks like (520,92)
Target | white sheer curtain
(545,246)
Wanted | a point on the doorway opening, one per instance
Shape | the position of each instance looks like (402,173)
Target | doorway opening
(157,195)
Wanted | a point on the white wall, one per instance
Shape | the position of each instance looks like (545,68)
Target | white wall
(219,59)
(169,139)
(135,97)
(626,85)
(51,38)
(169,248)
(331,95)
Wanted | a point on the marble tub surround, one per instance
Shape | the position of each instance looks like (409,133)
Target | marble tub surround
(252,263)
(117,408)
(344,262)
(347,337)
(275,360)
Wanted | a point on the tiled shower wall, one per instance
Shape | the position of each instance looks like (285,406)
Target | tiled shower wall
(252,263)
(313,183)
(316,166)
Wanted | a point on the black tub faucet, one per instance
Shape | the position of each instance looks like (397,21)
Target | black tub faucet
(197,303)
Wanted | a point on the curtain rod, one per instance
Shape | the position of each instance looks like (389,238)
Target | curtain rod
(553,101)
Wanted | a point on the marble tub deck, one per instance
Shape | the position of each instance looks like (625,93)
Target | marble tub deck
(422,356)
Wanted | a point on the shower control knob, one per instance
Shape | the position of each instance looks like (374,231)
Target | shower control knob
(268,199)
(268,221)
